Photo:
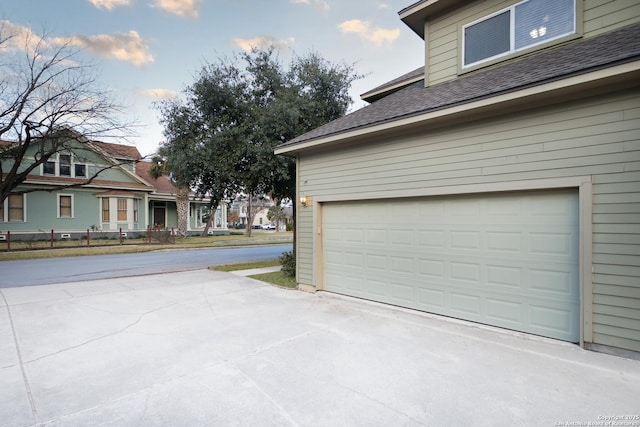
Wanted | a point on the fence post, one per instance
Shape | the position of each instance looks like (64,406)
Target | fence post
(149,234)
(8,241)
(173,235)
(88,238)
(52,238)
(120,235)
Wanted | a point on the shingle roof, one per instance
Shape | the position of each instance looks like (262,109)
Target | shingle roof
(392,86)
(119,151)
(162,184)
(553,64)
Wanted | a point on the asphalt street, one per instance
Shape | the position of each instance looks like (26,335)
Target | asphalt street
(74,269)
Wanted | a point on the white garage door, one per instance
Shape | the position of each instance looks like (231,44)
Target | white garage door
(506,259)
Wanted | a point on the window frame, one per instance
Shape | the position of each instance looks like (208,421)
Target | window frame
(512,52)
(5,212)
(136,210)
(57,166)
(60,196)
(105,213)
(120,200)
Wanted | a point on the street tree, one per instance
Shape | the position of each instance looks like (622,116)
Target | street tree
(49,101)
(242,112)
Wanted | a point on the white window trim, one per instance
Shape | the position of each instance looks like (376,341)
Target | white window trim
(512,24)
(56,161)
(72,206)
(5,210)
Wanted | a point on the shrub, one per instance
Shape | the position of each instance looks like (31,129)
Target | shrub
(288,261)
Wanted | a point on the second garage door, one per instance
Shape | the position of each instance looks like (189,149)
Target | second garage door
(505,259)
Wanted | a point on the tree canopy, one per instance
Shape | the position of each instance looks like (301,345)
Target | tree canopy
(220,138)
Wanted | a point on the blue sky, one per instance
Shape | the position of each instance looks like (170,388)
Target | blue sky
(148,49)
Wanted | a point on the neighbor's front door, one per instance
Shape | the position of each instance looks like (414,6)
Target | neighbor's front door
(159,214)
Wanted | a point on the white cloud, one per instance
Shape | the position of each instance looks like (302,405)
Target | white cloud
(383,6)
(260,42)
(109,4)
(378,36)
(320,5)
(158,93)
(122,46)
(188,8)
(18,37)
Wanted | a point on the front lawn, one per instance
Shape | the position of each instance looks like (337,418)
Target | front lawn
(276,278)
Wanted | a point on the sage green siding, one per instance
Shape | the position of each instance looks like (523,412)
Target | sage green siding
(444,32)
(597,137)
(42,211)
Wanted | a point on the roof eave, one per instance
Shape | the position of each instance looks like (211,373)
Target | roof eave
(415,15)
(374,95)
(580,85)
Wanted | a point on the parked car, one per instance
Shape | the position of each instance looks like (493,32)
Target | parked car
(268,227)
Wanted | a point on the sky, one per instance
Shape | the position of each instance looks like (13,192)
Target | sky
(148,50)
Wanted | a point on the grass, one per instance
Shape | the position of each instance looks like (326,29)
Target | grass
(275,278)
(246,265)
(37,250)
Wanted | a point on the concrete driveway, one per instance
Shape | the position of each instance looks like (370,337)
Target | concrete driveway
(210,348)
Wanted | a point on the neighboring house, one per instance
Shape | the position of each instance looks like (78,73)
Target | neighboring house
(121,196)
(163,212)
(498,184)
(240,206)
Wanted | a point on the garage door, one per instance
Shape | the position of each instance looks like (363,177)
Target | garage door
(506,259)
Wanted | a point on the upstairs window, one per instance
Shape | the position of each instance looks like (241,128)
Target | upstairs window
(64,165)
(523,25)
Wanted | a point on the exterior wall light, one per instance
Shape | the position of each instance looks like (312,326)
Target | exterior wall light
(305,201)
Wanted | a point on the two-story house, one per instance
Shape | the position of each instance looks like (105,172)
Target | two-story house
(97,186)
(499,184)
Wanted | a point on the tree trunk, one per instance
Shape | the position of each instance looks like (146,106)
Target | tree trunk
(205,232)
(250,216)
(182,204)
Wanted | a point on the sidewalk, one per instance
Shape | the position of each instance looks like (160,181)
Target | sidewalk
(253,271)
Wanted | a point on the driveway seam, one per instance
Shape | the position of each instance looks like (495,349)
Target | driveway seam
(27,386)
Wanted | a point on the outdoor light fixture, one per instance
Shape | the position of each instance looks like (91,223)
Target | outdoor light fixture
(304,201)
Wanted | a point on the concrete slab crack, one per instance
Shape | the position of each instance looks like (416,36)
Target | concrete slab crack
(104,336)
(27,386)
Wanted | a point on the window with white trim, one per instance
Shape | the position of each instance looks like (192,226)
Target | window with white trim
(136,209)
(122,210)
(523,25)
(64,165)
(13,209)
(105,209)
(65,205)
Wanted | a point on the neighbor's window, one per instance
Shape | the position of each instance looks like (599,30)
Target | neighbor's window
(122,209)
(65,206)
(15,209)
(49,168)
(105,210)
(65,164)
(136,204)
(518,27)
(80,170)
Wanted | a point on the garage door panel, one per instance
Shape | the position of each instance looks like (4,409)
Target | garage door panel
(505,313)
(504,259)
